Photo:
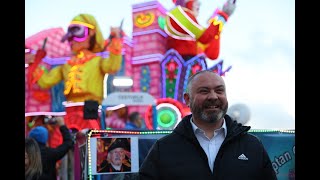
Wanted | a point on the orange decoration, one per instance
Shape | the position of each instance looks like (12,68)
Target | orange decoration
(41,96)
(143,20)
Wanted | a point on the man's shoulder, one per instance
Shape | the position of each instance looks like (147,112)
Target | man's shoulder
(169,138)
(252,138)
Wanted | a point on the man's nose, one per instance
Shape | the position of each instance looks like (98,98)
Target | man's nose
(213,95)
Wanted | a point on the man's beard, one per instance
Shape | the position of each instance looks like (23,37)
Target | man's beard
(212,117)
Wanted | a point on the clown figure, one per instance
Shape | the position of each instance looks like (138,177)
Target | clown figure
(188,37)
(84,72)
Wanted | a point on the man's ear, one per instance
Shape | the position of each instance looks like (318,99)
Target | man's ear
(186,97)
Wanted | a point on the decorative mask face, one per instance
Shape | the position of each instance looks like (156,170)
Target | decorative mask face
(78,36)
(78,33)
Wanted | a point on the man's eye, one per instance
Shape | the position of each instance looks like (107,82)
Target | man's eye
(220,91)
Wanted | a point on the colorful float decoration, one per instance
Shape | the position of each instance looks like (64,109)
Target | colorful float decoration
(154,69)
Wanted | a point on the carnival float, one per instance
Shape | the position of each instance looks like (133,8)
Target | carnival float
(158,72)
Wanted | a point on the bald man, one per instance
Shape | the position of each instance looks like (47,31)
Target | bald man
(207,144)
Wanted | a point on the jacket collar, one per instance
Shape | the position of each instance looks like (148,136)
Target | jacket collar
(234,128)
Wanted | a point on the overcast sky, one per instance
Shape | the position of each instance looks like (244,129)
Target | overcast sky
(258,41)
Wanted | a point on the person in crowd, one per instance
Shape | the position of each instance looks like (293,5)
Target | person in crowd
(188,37)
(134,121)
(116,157)
(117,116)
(207,144)
(50,156)
(32,160)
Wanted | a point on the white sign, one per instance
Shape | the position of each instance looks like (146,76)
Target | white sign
(129,98)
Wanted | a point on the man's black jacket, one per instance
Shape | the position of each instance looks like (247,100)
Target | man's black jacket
(179,156)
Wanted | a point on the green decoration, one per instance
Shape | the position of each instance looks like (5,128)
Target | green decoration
(161,22)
